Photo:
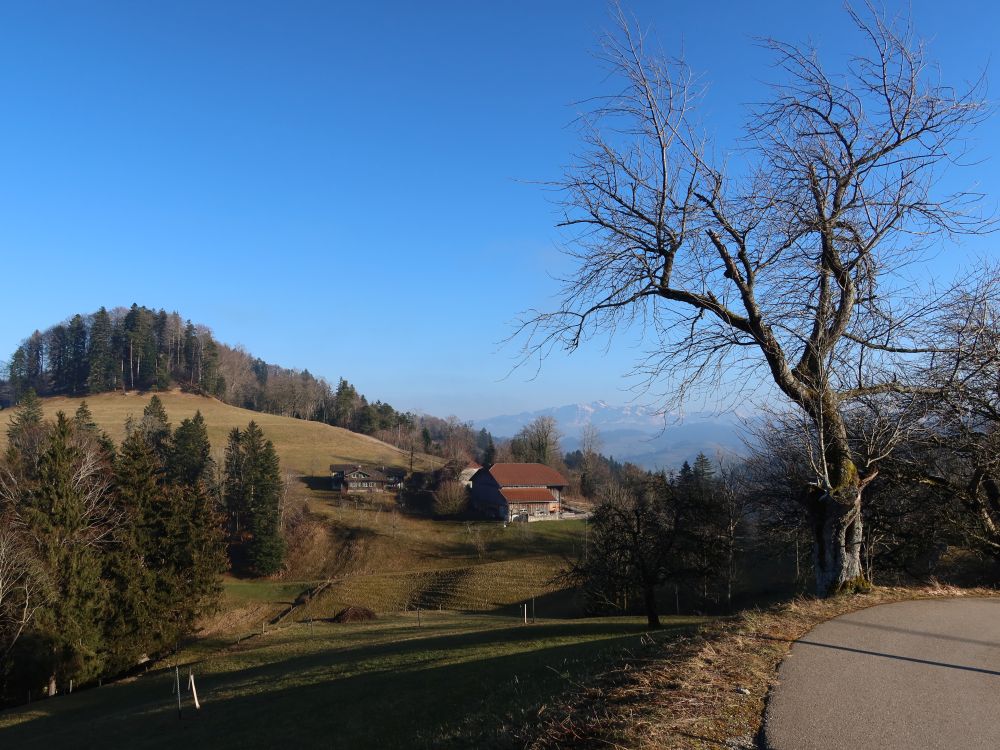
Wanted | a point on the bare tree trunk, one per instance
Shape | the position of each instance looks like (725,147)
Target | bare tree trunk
(649,600)
(836,528)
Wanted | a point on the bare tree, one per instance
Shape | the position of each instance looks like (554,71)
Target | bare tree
(785,275)
(23,585)
(958,450)
(538,442)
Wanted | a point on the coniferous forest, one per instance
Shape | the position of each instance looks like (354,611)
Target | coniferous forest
(138,348)
(109,554)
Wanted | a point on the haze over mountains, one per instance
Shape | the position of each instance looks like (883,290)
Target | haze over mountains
(636,433)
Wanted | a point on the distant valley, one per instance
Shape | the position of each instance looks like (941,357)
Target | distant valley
(635,433)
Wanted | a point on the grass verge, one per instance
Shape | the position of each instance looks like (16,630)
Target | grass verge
(707,690)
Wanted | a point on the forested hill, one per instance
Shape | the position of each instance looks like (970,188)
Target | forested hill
(142,349)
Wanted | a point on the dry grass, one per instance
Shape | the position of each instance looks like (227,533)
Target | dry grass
(305,448)
(707,690)
(476,587)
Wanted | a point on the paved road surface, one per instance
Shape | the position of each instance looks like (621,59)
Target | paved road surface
(915,675)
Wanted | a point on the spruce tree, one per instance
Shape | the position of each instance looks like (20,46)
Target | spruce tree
(17,374)
(66,513)
(234,497)
(141,493)
(84,419)
(253,494)
(267,549)
(100,356)
(25,434)
(77,366)
(190,459)
(178,538)
(156,428)
(57,359)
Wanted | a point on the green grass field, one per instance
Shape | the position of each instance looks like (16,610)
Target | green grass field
(456,681)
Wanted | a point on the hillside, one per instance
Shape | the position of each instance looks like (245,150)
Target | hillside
(374,551)
(305,448)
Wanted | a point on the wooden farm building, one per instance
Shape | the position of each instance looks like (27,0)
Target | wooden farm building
(358,478)
(518,491)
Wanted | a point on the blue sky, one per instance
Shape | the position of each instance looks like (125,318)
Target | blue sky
(348,188)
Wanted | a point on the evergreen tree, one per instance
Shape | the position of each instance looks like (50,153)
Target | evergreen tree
(57,358)
(17,374)
(25,435)
(178,537)
(489,452)
(190,459)
(253,491)
(77,366)
(101,375)
(133,626)
(34,353)
(156,428)
(234,472)
(141,493)
(68,516)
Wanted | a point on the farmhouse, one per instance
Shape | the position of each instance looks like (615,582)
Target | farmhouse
(512,491)
(358,478)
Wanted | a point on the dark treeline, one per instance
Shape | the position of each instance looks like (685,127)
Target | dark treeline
(714,537)
(109,554)
(124,349)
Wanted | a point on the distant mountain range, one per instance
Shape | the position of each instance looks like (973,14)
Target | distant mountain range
(636,433)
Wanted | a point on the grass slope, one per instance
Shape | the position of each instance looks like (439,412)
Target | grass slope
(454,681)
(376,553)
(305,448)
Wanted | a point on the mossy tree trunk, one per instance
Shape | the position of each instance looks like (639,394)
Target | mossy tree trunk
(835,509)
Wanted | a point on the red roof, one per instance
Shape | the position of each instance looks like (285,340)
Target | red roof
(527,495)
(540,475)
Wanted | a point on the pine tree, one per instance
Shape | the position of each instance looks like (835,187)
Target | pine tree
(190,459)
(178,538)
(101,375)
(253,494)
(17,374)
(156,427)
(267,550)
(57,359)
(234,480)
(84,418)
(25,434)
(77,366)
(66,513)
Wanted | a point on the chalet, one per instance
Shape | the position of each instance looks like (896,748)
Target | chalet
(518,491)
(358,478)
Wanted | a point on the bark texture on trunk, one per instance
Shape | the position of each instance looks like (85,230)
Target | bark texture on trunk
(836,522)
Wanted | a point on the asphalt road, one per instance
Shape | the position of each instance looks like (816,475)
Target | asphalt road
(914,675)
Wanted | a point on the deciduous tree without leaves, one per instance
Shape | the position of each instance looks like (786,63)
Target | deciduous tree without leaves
(785,272)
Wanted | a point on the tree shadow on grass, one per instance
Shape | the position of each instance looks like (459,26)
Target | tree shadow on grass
(405,694)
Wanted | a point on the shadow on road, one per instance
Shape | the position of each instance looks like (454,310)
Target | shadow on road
(929,662)
(923,633)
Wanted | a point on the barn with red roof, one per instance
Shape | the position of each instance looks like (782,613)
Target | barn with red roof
(518,491)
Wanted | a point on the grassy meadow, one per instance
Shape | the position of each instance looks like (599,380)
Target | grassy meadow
(454,680)
(305,448)
(470,674)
